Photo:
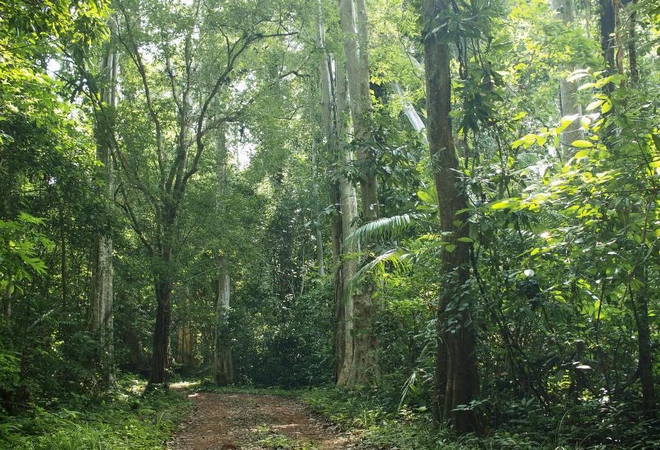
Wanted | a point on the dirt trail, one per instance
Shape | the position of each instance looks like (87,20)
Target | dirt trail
(255,422)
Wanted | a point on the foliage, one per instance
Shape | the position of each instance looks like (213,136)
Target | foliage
(124,419)
(20,245)
(405,429)
(564,269)
(270,438)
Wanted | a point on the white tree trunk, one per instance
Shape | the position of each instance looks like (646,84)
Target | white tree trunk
(102,300)
(353,16)
(359,365)
(334,112)
(568,90)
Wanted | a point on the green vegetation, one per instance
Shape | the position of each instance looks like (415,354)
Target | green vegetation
(447,209)
(126,418)
(381,425)
(267,438)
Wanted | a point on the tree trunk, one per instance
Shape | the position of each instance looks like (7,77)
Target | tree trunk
(568,90)
(607,32)
(161,341)
(645,358)
(632,45)
(316,219)
(102,302)
(640,304)
(223,369)
(334,110)
(360,364)
(354,25)
(185,343)
(63,261)
(456,369)
(6,300)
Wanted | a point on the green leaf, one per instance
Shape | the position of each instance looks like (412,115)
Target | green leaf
(656,141)
(577,75)
(465,239)
(567,120)
(505,204)
(520,115)
(586,86)
(595,104)
(581,143)
(450,247)
(582,154)
(426,197)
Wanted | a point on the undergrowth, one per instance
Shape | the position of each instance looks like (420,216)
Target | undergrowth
(127,418)
(385,427)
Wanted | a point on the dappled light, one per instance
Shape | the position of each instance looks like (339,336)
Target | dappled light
(329,224)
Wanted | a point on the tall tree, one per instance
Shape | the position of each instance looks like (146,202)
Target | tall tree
(568,101)
(607,32)
(223,370)
(180,62)
(334,108)
(353,18)
(103,295)
(456,379)
(359,365)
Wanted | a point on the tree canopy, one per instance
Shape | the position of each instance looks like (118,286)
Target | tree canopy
(450,207)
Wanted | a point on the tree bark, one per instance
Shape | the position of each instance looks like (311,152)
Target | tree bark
(185,343)
(360,364)
(607,32)
(456,369)
(632,45)
(6,300)
(354,25)
(316,219)
(644,350)
(223,369)
(161,341)
(568,90)
(103,295)
(334,112)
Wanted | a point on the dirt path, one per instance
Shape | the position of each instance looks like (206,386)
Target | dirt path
(252,422)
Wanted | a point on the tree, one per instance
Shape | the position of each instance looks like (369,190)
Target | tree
(101,310)
(358,364)
(179,64)
(568,101)
(223,371)
(333,104)
(456,378)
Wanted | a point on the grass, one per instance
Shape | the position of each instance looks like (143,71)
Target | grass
(125,419)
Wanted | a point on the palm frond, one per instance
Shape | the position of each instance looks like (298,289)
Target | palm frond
(383,227)
(401,260)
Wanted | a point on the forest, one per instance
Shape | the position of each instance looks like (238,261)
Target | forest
(435,221)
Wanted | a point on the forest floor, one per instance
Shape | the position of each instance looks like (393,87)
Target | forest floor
(256,422)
